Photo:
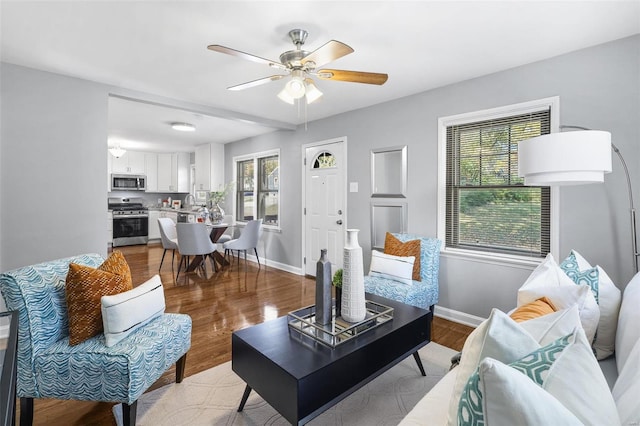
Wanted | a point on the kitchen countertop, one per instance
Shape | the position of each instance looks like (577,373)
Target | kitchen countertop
(169,209)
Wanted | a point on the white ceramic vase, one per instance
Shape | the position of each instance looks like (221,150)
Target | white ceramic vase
(353,303)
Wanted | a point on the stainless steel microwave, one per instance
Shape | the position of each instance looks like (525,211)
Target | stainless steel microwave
(128,182)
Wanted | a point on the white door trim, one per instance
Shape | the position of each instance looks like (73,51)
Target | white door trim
(304,147)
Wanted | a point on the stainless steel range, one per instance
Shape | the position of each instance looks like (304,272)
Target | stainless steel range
(130,221)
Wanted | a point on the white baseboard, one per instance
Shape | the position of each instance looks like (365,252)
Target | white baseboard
(457,316)
(271,264)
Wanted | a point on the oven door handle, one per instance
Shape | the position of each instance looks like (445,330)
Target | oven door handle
(130,216)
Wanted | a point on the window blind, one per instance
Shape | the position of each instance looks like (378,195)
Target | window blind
(488,208)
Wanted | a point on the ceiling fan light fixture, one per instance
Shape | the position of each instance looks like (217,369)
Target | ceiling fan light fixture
(183,127)
(284,96)
(311,91)
(295,88)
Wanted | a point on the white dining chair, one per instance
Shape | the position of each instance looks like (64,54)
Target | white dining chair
(169,238)
(228,233)
(248,239)
(193,240)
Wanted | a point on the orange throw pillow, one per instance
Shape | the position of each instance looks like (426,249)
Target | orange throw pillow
(84,288)
(535,309)
(394,246)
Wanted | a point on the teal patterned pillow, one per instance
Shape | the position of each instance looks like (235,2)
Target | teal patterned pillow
(590,277)
(534,365)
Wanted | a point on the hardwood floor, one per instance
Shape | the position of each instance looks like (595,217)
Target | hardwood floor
(220,303)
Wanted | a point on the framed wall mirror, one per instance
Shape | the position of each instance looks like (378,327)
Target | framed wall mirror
(386,217)
(389,172)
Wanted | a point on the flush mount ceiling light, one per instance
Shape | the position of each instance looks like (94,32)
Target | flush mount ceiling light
(183,127)
(116,151)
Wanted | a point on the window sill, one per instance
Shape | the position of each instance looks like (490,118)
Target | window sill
(498,259)
(267,228)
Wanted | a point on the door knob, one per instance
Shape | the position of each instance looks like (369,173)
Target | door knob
(339,222)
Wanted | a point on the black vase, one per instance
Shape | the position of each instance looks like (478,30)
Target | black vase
(338,301)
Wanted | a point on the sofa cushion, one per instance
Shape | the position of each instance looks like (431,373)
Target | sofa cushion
(392,267)
(607,295)
(628,332)
(84,288)
(531,310)
(627,388)
(123,313)
(394,246)
(550,281)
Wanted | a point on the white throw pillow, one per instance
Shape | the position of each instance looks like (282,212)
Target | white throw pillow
(609,298)
(547,328)
(497,337)
(397,268)
(550,281)
(565,368)
(627,388)
(125,312)
(528,403)
(628,332)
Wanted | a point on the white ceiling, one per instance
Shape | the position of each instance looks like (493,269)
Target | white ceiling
(158,50)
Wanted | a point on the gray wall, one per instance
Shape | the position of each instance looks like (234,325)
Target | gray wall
(53,167)
(599,88)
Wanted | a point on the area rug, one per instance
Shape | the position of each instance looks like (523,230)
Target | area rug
(212,397)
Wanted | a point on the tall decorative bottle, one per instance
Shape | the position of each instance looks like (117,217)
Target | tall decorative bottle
(353,303)
(323,289)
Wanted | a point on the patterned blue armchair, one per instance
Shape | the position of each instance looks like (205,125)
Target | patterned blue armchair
(424,293)
(49,368)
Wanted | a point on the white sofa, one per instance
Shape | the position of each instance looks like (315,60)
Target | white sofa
(621,371)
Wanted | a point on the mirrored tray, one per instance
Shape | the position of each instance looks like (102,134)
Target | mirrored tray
(303,321)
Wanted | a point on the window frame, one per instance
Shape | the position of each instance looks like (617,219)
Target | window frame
(552,103)
(257,183)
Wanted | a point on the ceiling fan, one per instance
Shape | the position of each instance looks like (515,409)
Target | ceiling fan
(301,65)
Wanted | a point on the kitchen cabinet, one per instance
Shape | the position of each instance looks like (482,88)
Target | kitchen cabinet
(209,167)
(131,162)
(203,167)
(151,170)
(154,228)
(183,165)
(173,172)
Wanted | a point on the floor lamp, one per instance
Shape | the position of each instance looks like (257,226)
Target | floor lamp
(573,158)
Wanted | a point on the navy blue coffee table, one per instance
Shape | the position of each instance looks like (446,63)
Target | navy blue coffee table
(301,379)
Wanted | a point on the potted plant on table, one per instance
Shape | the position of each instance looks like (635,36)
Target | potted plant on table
(337,283)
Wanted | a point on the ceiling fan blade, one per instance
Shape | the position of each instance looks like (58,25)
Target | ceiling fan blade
(330,51)
(247,56)
(353,76)
(255,83)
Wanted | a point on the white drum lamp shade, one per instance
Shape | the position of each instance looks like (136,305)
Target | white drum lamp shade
(570,158)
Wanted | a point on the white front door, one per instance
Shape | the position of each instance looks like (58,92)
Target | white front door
(325,203)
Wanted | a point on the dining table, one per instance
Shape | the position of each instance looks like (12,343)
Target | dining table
(215,231)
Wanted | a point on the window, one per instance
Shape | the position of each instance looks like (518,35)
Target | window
(487,208)
(258,185)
